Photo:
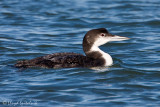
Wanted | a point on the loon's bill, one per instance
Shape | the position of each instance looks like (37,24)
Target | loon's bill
(118,38)
(94,56)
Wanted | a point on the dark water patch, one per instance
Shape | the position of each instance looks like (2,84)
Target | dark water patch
(154,23)
(45,46)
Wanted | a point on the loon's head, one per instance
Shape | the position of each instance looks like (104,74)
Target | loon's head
(100,36)
(97,37)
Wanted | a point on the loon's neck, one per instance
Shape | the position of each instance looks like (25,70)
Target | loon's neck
(96,53)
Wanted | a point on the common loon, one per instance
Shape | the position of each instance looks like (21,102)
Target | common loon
(95,57)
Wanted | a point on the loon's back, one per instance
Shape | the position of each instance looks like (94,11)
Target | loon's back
(60,60)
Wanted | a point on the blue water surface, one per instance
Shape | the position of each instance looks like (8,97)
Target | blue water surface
(33,28)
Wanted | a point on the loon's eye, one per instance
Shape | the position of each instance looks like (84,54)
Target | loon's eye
(102,34)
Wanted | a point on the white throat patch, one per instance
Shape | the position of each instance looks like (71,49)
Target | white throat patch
(106,56)
(101,40)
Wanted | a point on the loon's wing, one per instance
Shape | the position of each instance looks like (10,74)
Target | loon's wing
(57,60)
(64,60)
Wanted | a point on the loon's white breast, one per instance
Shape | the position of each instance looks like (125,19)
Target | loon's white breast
(95,57)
